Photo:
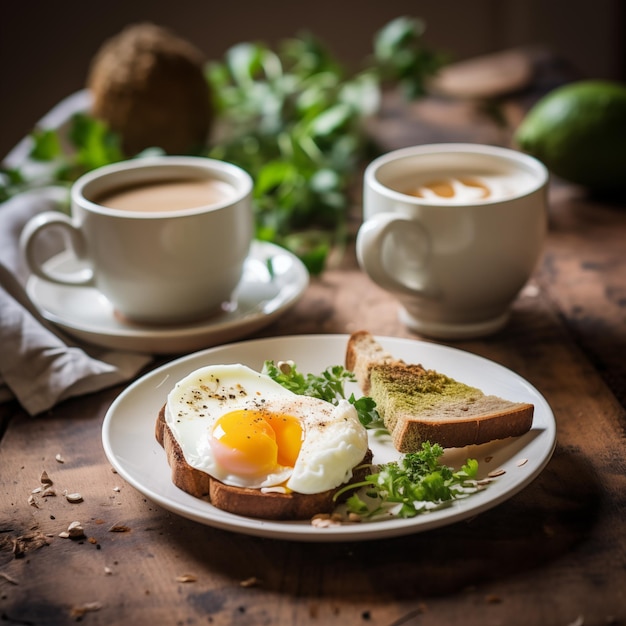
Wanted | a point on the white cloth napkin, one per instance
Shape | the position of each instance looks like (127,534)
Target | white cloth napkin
(40,365)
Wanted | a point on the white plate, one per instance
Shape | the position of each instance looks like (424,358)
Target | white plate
(260,298)
(131,447)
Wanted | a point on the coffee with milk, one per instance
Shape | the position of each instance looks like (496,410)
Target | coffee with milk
(455,231)
(164,239)
(458,186)
(454,187)
(167,195)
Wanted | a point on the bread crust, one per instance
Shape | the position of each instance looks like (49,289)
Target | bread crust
(511,422)
(240,500)
(450,423)
(362,353)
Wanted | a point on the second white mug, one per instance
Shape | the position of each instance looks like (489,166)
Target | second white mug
(455,231)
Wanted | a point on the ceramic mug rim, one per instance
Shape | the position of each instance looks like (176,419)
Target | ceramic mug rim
(147,169)
(528,163)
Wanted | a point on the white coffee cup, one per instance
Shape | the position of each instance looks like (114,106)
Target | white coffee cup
(456,262)
(163,238)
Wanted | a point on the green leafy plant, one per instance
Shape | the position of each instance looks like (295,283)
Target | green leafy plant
(87,144)
(293,117)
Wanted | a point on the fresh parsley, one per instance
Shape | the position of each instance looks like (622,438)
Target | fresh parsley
(415,484)
(328,386)
(418,482)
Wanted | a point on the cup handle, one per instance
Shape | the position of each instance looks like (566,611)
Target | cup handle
(394,250)
(74,240)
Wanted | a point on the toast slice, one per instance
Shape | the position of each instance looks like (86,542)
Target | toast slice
(420,405)
(243,501)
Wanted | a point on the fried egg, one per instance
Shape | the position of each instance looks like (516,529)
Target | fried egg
(246,430)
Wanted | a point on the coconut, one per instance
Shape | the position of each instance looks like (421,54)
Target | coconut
(149,86)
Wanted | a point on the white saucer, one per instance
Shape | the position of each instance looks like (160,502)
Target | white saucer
(261,297)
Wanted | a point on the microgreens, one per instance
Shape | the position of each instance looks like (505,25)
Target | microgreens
(328,386)
(414,484)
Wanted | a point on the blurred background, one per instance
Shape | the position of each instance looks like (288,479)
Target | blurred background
(46,47)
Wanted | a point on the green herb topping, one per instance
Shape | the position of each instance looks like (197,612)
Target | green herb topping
(328,386)
(415,484)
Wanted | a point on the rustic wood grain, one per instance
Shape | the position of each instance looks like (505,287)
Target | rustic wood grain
(548,547)
(554,554)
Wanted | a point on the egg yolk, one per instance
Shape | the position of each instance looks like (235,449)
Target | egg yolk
(253,443)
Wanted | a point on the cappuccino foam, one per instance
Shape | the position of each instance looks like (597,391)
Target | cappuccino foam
(466,187)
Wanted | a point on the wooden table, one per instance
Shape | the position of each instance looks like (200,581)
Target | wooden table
(554,554)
